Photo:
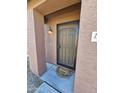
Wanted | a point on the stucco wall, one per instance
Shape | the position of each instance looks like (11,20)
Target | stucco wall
(66,15)
(40,41)
(31,44)
(36,42)
(86,67)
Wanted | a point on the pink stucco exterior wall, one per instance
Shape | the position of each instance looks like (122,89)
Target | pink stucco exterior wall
(40,41)
(31,44)
(36,42)
(86,66)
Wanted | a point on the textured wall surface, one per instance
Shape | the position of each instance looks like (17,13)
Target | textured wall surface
(66,15)
(36,42)
(86,67)
(31,44)
(40,42)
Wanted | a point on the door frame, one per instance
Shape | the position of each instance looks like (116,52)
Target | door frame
(58,41)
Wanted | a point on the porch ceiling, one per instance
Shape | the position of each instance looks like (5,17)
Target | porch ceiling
(50,6)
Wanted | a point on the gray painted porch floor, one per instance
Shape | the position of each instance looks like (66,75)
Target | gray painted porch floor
(54,83)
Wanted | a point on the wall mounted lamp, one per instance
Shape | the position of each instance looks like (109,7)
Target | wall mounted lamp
(50,30)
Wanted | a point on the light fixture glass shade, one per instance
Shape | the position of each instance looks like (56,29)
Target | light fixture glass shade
(50,31)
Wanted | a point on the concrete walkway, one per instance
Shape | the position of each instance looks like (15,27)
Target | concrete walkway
(53,82)
(45,88)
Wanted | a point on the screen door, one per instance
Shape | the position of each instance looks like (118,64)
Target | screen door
(67,38)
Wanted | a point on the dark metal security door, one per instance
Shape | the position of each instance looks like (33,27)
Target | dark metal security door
(67,37)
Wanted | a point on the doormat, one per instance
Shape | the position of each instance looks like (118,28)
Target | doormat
(64,72)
